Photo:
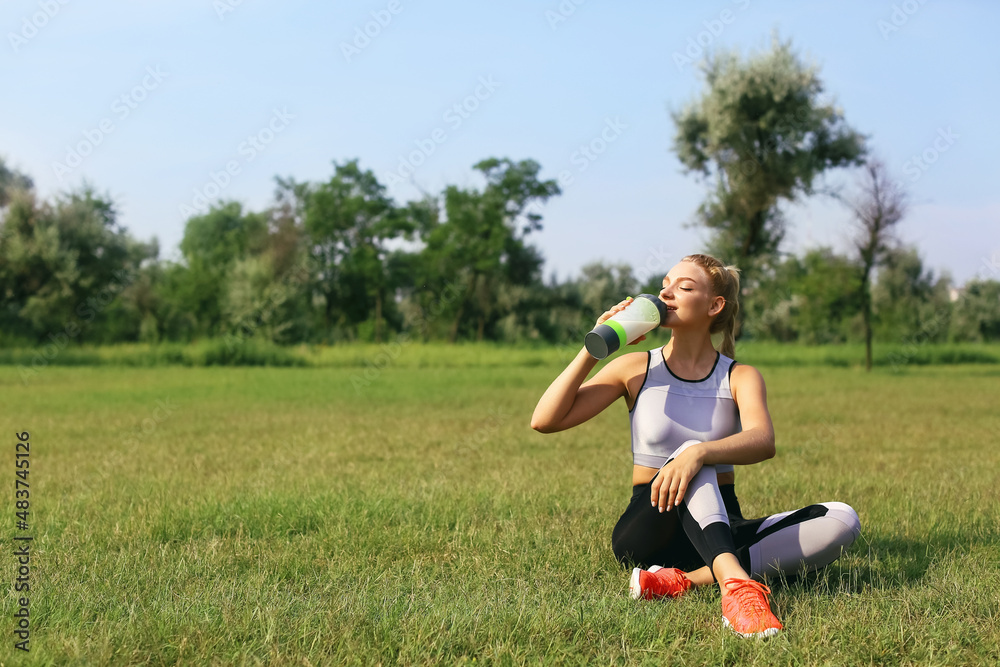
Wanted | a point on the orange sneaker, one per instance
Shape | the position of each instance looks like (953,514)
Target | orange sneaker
(745,609)
(658,582)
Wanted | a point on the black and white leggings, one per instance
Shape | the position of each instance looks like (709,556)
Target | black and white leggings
(709,522)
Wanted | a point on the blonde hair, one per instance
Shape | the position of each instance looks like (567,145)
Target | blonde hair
(725,283)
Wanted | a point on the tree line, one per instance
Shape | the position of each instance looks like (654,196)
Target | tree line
(340,260)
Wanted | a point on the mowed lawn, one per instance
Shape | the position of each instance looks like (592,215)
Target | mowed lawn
(316,516)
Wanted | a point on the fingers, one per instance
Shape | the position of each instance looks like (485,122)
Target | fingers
(668,490)
(668,497)
(618,307)
(681,490)
(663,494)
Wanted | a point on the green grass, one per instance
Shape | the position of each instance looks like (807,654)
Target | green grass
(404,351)
(295,516)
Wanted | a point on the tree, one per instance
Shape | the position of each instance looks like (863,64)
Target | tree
(602,286)
(910,303)
(11,180)
(64,264)
(772,308)
(877,210)
(761,134)
(213,243)
(977,312)
(286,225)
(289,258)
(825,298)
(350,219)
(480,244)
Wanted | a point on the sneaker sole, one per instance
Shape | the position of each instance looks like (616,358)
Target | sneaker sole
(770,632)
(634,589)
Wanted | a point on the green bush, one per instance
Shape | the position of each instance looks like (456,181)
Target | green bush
(403,352)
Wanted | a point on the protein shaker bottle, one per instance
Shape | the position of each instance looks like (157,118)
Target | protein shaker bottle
(645,313)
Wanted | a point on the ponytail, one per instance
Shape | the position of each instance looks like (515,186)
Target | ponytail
(726,283)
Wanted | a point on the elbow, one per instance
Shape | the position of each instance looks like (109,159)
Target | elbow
(769,449)
(544,419)
(544,423)
(540,425)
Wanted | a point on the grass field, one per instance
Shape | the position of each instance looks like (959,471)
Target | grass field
(405,513)
(221,352)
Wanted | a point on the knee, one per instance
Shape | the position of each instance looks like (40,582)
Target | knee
(848,518)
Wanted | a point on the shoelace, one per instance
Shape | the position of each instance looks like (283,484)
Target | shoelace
(669,580)
(750,594)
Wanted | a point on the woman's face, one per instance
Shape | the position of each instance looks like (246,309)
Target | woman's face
(689,295)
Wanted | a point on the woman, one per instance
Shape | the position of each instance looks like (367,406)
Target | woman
(694,413)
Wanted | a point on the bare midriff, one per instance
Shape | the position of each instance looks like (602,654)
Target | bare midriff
(642,475)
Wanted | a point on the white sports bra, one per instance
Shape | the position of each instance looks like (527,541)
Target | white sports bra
(670,411)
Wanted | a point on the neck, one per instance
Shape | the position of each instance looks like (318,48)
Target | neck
(689,347)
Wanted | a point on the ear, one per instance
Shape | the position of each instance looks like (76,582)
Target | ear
(718,303)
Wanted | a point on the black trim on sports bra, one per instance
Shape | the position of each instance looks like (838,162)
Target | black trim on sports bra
(731,367)
(649,362)
(667,366)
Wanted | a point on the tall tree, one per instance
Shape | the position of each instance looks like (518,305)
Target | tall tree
(977,312)
(603,285)
(910,303)
(480,244)
(760,133)
(350,219)
(289,258)
(62,264)
(213,243)
(771,308)
(877,210)
(824,297)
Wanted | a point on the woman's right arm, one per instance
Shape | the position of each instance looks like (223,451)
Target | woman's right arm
(568,401)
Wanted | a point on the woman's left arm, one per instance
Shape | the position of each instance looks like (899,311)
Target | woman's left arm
(755,443)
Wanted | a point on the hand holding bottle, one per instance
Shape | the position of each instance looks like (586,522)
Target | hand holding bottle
(626,323)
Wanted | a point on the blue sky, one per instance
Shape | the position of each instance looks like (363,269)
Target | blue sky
(162,95)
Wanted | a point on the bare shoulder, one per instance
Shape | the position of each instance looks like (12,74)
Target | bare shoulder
(745,372)
(629,372)
(621,371)
(745,378)
(628,365)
